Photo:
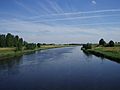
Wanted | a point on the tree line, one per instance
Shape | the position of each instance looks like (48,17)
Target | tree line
(109,44)
(10,40)
(102,42)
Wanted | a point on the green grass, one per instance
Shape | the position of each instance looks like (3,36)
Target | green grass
(108,52)
(6,53)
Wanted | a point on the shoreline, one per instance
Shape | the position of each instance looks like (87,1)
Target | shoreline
(13,54)
(107,55)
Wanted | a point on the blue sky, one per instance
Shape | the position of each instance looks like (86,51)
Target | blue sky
(61,21)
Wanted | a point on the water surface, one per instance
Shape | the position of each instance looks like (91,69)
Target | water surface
(59,69)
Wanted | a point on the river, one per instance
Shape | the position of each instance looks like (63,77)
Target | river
(59,69)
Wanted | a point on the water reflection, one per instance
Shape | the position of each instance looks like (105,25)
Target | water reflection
(89,55)
(10,63)
(59,69)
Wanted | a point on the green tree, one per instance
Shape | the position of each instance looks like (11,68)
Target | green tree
(21,41)
(2,40)
(16,40)
(111,43)
(38,45)
(87,46)
(44,44)
(102,42)
(9,40)
(20,44)
(31,46)
(24,43)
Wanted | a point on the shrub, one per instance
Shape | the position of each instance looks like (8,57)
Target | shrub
(111,43)
(87,46)
(31,46)
(38,45)
(102,42)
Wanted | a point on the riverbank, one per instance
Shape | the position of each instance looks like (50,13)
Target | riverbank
(112,53)
(8,53)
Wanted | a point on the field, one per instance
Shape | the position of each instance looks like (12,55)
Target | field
(108,52)
(6,53)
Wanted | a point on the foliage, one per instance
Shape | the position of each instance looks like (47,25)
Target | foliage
(38,45)
(19,44)
(102,42)
(111,43)
(108,52)
(87,46)
(31,46)
(16,41)
(25,43)
(44,44)
(2,40)
(10,40)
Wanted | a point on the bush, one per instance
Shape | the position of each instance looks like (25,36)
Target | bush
(111,43)
(44,44)
(102,42)
(87,46)
(31,46)
(38,45)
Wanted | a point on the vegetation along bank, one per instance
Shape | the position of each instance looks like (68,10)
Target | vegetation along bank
(110,50)
(13,46)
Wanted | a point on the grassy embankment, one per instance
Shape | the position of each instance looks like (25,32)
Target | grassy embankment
(7,53)
(112,53)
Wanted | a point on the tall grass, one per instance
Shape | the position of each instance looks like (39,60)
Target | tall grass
(109,52)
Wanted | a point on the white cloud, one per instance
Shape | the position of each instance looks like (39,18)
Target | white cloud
(54,5)
(77,13)
(26,7)
(38,32)
(94,2)
(33,29)
(78,17)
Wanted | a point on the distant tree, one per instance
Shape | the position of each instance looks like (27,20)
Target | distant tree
(31,46)
(21,41)
(87,46)
(24,43)
(38,45)
(16,40)
(52,44)
(19,44)
(9,40)
(2,40)
(116,43)
(44,44)
(111,43)
(102,42)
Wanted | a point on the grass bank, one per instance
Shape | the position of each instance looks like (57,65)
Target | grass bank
(112,53)
(8,53)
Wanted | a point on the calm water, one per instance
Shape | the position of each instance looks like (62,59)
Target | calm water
(59,69)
